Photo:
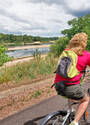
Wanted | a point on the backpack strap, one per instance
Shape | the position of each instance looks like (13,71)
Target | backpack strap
(71,81)
(82,77)
(65,82)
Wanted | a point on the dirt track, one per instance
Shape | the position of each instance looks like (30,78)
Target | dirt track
(16,98)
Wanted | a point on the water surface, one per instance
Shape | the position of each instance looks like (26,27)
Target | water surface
(26,52)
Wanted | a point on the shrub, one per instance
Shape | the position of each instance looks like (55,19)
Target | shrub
(3,56)
(58,46)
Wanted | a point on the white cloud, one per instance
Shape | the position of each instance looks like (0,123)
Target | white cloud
(39,17)
(79,4)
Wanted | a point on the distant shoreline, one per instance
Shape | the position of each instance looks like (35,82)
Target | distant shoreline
(28,47)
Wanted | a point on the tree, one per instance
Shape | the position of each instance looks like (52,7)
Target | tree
(81,24)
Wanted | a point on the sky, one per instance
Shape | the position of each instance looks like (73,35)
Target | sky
(45,18)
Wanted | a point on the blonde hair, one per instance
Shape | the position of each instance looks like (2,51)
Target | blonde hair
(78,43)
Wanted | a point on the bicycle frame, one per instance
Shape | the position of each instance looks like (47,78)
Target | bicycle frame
(66,113)
(69,110)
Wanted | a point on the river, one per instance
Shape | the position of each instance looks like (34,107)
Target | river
(19,53)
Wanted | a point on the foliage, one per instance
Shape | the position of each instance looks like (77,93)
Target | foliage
(14,40)
(58,46)
(81,24)
(3,56)
(37,93)
(77,25)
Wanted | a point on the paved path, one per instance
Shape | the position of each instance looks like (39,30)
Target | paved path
(34,114)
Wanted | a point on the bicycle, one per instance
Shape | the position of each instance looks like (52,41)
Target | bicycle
(66,116)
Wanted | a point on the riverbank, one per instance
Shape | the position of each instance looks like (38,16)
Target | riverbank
(28,47)
(21,60)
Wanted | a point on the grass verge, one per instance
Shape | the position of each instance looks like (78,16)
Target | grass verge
(38,67)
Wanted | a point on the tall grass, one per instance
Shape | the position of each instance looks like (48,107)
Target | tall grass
(28,70)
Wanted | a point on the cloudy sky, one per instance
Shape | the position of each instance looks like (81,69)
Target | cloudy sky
(40,17)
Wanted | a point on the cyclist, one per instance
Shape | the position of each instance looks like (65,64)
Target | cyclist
(74,90)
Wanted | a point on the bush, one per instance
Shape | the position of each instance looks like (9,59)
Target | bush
(58,46)
(3,56)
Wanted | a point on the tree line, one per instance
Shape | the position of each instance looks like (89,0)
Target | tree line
(22,39)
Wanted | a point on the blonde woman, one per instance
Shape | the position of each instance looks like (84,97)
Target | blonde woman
(73,90)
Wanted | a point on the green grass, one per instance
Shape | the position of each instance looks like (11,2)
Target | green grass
(28,70)
(37,93)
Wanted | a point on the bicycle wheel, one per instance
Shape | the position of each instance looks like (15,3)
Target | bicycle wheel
(56,118)
(87,115)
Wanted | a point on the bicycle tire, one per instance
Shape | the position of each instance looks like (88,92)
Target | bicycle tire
(55,118)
